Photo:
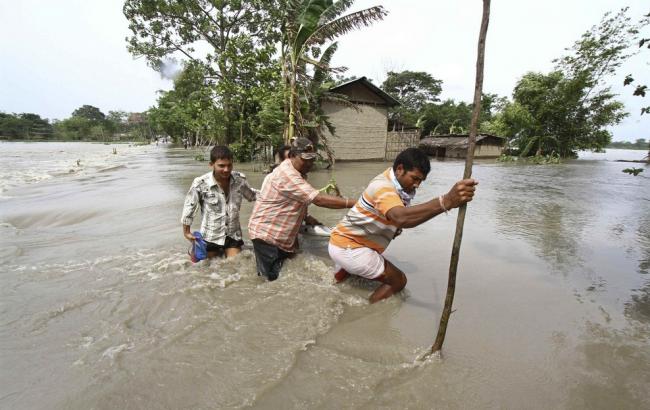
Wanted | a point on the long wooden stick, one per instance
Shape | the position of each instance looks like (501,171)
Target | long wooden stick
(455,252)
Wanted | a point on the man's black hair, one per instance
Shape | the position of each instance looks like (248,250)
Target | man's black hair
(220,152)
(283,152)
(413,158)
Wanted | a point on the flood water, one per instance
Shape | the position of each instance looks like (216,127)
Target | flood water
(101,308)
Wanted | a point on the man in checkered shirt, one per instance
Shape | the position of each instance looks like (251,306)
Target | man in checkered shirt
(219,194)
(281,207)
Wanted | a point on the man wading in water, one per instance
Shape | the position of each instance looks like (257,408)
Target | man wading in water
(358,241)
(282,205)
(219,194)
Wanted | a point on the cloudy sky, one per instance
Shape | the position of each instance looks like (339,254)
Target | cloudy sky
(58,55)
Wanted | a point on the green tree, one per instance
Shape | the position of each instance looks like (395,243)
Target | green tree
(90,113)
(117,122)
(307,25)
(239,37)
(447,117)
(640,89)
(569,108)
(189,109)
(74,128)
(415,90)
(24,126)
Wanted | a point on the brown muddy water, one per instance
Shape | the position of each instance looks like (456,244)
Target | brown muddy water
(101,308)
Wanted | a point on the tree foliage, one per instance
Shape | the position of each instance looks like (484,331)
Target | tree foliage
(569,108)
(232,41)
(24,126)
(415,90)
(308,25)
(90,113)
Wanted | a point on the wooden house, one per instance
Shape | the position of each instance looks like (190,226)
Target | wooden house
(360,133)
(455,146)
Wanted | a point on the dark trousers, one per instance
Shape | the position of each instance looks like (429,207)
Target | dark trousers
(269,259)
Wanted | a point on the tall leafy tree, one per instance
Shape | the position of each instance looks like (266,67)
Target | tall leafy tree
(308,24)
(189,109)
(641,89)
(448,117)
(569,108)
(25,125)
(415,90)
(229,38)
(89,112)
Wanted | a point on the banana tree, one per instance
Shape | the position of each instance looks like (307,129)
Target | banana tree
(309,24)
(311,117)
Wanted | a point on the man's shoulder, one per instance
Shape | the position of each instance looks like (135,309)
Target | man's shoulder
(202,180)
(380,182)
(285,171)
(238,175)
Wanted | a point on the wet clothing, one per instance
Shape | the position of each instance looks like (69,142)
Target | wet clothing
(366,223)
(228,243)
(281,207)
(269,259)
(220,213)
(364,262)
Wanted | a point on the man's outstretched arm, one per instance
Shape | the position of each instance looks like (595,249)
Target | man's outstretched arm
(409,217)
(332,202)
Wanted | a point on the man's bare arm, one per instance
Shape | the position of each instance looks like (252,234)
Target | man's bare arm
(332,202)
(409,217)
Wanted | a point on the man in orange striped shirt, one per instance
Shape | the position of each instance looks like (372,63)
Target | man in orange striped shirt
(281,207)
(359,240)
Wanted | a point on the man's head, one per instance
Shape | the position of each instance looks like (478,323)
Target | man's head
(221,162)
(283,152)
(302,154)
(411,167)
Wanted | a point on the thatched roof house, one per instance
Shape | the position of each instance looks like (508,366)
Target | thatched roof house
(455,146)
(360,134)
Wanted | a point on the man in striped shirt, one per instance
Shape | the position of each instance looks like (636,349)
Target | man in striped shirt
(359,240)
(281,207)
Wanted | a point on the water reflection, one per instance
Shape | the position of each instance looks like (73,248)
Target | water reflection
(538,205)
(643,236)
(638,307)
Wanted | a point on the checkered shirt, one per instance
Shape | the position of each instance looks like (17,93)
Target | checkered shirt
(220,215)
(280,207)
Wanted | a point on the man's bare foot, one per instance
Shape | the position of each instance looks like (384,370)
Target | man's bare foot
(341,275)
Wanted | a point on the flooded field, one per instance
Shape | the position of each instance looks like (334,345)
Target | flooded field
(101,308)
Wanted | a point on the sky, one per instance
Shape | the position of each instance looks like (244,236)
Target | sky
(56,56)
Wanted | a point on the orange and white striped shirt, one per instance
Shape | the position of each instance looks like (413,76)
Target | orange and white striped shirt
(281,206)
(366,224)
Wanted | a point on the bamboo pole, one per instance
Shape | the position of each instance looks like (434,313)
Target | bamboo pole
(455,252)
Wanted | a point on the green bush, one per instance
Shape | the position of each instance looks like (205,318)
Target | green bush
(241,151)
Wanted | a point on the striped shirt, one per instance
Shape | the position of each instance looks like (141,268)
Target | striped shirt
(366,223)
(220,214)
(281,206)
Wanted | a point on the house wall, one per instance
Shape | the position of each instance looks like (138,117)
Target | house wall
(487,150)
(360,135)
(480,151)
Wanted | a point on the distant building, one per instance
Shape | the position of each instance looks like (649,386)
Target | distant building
(360,134)
(455,146)
(136,118)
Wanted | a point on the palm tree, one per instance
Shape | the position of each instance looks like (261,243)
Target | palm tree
(308,25)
